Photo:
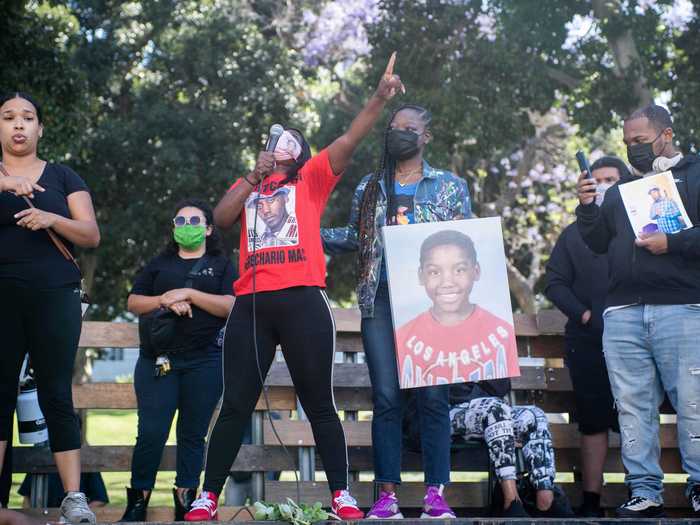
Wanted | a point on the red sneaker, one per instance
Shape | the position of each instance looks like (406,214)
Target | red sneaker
(344,506)
(204,508)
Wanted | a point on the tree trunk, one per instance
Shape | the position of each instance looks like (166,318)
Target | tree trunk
(521,288)
(628,61)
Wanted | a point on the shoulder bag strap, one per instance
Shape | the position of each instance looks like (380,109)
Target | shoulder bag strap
(195,270)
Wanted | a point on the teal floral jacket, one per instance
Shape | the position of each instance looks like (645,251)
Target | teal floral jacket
(440,196)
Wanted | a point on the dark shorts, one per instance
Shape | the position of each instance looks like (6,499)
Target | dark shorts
(595,410)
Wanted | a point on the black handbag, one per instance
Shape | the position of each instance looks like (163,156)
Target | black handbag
(162,331)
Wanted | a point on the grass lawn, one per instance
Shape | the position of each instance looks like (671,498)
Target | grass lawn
(118,427)
(113,427)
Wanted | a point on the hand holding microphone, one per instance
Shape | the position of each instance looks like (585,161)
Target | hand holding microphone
(263,167)
(266,159)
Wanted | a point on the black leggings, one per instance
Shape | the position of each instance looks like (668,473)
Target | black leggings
(301,321)
(6,475)
(45,323)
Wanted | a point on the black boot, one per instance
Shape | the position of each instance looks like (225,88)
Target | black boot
(136,505)
(182,506)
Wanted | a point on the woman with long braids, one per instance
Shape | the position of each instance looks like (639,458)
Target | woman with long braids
(405,190)
(280,298)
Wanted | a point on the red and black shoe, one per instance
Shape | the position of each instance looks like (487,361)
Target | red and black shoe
(344,506)
(204,508)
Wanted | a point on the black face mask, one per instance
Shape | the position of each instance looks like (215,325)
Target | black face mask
(642,156)
(402,144)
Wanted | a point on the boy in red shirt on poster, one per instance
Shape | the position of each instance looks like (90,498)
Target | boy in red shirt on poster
(455,340)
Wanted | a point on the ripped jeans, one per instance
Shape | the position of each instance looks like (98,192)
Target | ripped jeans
(501,427)
(649,350)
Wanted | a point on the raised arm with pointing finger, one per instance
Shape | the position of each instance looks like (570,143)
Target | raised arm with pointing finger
(340,150)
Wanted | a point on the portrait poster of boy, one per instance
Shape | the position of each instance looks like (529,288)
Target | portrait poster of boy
(653,204)
(450,303)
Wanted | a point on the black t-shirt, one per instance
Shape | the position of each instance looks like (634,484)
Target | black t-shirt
(30,256)
(169,272)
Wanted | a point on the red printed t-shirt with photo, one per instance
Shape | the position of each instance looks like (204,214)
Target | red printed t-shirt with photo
(285,245)
(480,347)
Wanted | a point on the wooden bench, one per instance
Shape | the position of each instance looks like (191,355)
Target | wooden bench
(547,385)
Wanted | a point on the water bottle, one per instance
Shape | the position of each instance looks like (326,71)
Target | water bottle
(30,419)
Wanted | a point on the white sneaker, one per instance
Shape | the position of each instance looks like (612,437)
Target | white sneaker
(75,509)
(695,498)
(639,507)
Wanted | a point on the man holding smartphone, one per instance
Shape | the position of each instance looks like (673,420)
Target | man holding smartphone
(652,314)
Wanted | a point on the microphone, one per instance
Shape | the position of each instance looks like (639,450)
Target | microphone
(276,131)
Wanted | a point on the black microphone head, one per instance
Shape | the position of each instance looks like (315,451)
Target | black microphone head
(276,131)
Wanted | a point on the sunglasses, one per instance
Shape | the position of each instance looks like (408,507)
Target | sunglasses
(195,220)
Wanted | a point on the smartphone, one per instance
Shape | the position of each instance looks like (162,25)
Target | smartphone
(583,164)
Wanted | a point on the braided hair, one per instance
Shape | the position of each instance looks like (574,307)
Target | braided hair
(368,207)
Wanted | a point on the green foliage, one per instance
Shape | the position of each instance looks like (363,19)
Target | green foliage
(155,100)
(185,120)
(481,91)
(175,99)
(490,71)
(300,514)
(684,82)
(37,57)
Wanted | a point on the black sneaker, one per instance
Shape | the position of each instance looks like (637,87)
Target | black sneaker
(695,498)
(515,510)
(639,507)
(589,511)
(558,509)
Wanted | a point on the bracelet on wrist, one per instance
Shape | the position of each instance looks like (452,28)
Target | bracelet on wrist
(248,181)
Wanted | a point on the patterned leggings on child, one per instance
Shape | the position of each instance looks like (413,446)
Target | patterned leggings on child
(494,421)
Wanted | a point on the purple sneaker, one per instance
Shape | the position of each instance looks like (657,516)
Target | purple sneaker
(385,508)
(435,506)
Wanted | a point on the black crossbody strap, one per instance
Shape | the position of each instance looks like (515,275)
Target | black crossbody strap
(189,283)
(60,246)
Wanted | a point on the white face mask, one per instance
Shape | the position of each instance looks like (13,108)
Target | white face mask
(287,148)
(600,192)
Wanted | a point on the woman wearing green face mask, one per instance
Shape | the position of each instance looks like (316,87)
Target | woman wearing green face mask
(193,279)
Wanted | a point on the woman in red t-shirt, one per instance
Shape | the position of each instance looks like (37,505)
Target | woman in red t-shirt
(280,292)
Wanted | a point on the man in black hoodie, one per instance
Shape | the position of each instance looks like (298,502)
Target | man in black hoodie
(652,316)
(577,281)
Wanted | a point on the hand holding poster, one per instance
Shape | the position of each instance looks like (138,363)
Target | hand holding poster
(450,302)
(653,204)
